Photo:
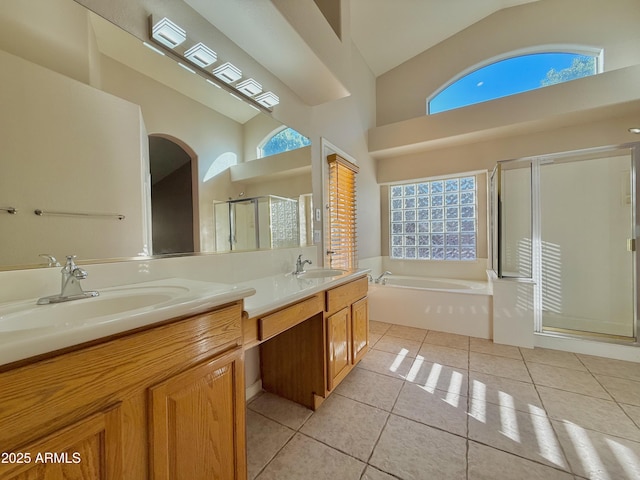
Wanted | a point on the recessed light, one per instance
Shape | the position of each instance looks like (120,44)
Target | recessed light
(168,33)
(201,55)
(228,73)
(268,99)
(634,130)
(249,87)
(213,83)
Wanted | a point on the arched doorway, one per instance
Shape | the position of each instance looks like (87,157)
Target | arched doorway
(174,196)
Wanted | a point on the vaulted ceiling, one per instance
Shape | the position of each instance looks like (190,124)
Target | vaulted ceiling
(292,39)
(390,32)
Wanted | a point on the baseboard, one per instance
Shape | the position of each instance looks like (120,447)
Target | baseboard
(629,353)
(253,390)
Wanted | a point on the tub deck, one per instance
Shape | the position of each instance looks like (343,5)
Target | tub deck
(449,305)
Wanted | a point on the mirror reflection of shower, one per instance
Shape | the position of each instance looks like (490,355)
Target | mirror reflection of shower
(263,222)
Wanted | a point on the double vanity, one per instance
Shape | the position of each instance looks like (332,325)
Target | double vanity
(147,380)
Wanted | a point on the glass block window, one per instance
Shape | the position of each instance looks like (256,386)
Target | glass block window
(434,220)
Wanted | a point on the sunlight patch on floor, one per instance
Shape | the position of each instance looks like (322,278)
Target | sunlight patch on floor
(478,402)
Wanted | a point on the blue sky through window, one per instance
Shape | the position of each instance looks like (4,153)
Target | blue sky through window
(511,76)
(283,141)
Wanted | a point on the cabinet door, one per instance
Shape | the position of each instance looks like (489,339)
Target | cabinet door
(198,422)
(90,449)
(338,343)
(359,329)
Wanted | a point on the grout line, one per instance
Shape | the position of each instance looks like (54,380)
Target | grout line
(537,462)
(619,404)
(548,416)
(280,449)
(386,421)
(469,393)
(360,402)
(467,438)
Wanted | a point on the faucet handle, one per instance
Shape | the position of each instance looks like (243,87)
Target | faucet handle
(74,269)
(51,260)
(70,266)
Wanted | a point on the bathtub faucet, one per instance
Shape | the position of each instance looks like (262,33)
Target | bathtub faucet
(380,279)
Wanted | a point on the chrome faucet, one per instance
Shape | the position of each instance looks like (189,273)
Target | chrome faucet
(300,265)
(380,279)
(70,288)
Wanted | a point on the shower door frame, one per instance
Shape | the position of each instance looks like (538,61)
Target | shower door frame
(536,234)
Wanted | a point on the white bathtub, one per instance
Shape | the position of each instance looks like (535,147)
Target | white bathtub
(446,305)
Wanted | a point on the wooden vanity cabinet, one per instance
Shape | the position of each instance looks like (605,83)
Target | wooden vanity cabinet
(338,346)
(347,319)
(359,329)
(90,449)
(196,421)
(162,403)
(324,337)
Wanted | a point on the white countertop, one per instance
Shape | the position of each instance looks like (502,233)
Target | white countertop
(27,329)
(278,291)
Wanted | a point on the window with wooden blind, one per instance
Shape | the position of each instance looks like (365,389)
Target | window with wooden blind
(342,212)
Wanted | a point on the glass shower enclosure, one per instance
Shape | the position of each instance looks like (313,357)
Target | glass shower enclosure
(261,223)
(568,222)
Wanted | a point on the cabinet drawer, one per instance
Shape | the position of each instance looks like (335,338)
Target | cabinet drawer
(286,318)
(344,295)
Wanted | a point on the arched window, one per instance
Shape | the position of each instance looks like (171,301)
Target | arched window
(514,74)
(282,141)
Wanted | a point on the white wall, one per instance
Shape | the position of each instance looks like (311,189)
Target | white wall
(59,45)
(58,155)
(344,123)
(206,132)
(611,25)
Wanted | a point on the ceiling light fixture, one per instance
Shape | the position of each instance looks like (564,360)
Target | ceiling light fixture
(249,87)
(201,55)
(228,72)
(268,99)
(168,33)
(634,130)
(165,36)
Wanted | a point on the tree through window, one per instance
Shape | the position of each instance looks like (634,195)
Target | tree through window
(513,75)
(282,141)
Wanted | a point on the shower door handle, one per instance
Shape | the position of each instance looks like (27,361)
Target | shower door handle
(631,244)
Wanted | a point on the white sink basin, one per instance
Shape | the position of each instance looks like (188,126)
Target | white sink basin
(116,309)
(321,273)
(29,316)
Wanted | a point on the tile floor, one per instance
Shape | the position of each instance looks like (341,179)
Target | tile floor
(431,405)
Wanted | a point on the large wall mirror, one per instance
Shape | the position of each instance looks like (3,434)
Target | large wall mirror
(125,154)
